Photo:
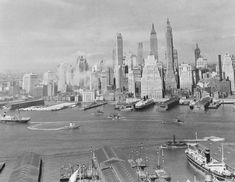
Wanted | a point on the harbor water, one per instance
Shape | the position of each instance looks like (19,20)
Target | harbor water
(149,128)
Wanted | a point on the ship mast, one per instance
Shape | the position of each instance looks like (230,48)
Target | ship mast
(222,152)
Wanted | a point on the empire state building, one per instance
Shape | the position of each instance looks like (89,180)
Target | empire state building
(170,79)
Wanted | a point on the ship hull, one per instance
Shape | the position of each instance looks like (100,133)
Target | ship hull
(144,106)
(15,121)
(205,170)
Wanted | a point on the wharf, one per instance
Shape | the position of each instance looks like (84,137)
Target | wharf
(93,105)
(168,104)
(84,172)
(214,105)
(227,101)
(202,104)
(56,107)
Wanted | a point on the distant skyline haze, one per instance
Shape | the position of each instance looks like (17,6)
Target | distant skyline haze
(37,35)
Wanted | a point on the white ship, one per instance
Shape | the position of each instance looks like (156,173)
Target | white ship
(199,157)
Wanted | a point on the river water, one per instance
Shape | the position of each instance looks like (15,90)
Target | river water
(149,127)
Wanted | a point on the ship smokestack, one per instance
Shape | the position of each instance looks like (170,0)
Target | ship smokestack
(207,155)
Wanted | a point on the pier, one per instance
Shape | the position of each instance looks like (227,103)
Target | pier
(24,104)
(94,104)
(202,104)
(168,104)
(56,107)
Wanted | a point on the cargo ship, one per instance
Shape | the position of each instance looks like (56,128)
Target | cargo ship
(16,119)
(144,104)
(199,157)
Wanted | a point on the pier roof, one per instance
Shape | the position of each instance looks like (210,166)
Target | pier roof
(27,168)
(113,166)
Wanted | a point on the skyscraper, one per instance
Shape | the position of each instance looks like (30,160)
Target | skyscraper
(29,82)
(153,43)
(197,54)
(119,62)
(140,58)
(170,80)
(151,81)
(176,67)
(119,49)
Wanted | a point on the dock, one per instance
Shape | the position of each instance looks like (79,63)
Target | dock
(202,104)
(168,104)
(214,105)
(94,104)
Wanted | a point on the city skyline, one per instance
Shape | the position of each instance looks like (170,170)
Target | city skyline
(37,36)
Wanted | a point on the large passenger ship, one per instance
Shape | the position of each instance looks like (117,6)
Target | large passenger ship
(144,103)
(199,157)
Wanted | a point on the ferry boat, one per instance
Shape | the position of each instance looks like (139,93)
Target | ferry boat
(174,144)
(144,103)
(199,157)
(16,118)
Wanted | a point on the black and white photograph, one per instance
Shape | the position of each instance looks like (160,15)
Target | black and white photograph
(117,91)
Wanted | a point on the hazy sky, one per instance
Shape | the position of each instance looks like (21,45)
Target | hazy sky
(39,34)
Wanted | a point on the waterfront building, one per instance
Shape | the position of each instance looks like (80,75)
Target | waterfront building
(201,63)
(110,76)
(170,79)
(51,89)
(14,88)
(228,70)
(153,43)
(103,82)
(29,82)
(151,81)
(176,67)
(131,82)
(61,75)
(49,76)
(140,54)
(88,96)
(137,73)
(185,76)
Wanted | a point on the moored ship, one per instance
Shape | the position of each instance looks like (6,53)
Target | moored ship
(144,103)
(199,157)
(15,119)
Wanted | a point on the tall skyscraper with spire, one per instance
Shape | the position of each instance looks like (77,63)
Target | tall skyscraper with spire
(140,54)
(153,43)
(118,67)
(119,49)
(170,79)
(197,54)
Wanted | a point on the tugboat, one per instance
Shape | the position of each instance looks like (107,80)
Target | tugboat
(16,119)
(174,144)
(71,126)
(199,157)
(144,103)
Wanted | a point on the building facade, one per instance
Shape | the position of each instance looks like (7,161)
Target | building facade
(185,76)
(228,70)
(29,82)
(151,81)
(170,80)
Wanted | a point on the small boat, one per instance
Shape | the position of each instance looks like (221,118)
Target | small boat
(71,126)
(126,108)
(16,119)
(99,112)
(174,144)
(179,121)
(114,116)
